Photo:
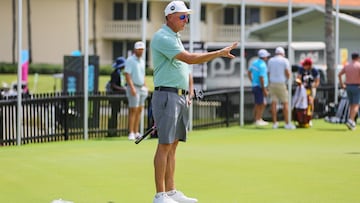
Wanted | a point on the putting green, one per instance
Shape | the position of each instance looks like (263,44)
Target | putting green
(223,165)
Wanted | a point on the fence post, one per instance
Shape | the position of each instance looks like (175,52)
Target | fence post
(227,110)
(1,127)
(66,129)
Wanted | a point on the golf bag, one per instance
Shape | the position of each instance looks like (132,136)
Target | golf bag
(341,111)
(302,112)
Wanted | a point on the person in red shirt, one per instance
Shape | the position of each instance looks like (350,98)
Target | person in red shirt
(310,78)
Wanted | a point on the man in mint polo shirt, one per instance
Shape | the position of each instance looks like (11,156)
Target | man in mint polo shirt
(171,97)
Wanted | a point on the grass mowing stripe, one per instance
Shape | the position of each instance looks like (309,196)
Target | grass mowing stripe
(229,165)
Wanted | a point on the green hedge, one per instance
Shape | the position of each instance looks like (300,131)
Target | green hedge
(8,68)
(52,69)
(34,68)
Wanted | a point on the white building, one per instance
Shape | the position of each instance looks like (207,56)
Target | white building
(54,25)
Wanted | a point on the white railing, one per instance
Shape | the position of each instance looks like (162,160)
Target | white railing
(132,30)
(122,29)
(227,33)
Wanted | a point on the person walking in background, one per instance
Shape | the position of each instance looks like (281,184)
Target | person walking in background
(171,99)
(310,78)
(136,90)
(117,80)
(352,86)
(258,76)
(116,85)
(279,73)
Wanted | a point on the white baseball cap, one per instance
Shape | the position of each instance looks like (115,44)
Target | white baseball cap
(176,6)
(262,53)
(279,50)
(139,45)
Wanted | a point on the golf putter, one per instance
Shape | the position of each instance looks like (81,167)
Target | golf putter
(199,94)
(150,130)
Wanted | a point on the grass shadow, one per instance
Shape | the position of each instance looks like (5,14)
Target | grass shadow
(352,153)
(332,129)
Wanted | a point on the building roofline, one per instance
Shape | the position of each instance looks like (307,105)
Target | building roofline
(300,13)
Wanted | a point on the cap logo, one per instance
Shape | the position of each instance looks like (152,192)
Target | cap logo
(172,8)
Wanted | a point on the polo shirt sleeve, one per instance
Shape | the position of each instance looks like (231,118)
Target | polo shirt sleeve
(301,73)
(170,47)
(128,66)
(263,70)
(251,67)
(315,73)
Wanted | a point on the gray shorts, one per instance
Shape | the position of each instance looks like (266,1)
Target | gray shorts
(353,93)
(139,99)
(171,116)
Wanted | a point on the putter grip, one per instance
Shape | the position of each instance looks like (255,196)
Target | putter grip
(137,141)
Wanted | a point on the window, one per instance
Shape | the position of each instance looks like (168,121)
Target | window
(118,47)
(252,16)
(124,48)
(352,13)
(118,11)
(232,15)
(280,13)
(133,11)
(229,18)
(203,13)
(129,11)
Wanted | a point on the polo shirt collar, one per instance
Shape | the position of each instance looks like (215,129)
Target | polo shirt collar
(170,31)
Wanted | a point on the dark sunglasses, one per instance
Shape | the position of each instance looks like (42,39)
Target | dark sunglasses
(183,17)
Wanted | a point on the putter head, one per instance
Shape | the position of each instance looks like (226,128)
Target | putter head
(199,94)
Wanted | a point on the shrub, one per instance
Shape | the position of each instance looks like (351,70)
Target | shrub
(45,68)
(149,71)
(105,70)
(42,68)
(8,68)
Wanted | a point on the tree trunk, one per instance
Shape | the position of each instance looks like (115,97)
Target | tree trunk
(94,26)
(29,30)
(14,31)
(329,40)
(78,23)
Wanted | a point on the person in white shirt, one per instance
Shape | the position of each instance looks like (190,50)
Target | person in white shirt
(136,90)
(279,72)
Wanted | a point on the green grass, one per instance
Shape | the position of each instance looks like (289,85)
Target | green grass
(224,165)
(47,83)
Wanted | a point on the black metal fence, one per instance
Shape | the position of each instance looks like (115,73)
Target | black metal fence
(56,117)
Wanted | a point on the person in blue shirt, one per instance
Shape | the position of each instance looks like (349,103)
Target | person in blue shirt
(258,75)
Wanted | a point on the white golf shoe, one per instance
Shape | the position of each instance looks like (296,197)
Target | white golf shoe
(290,126)
(180,197)
(131,136)
(163,198)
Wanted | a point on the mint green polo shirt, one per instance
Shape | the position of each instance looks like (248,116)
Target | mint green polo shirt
(168,71)
(135,67)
